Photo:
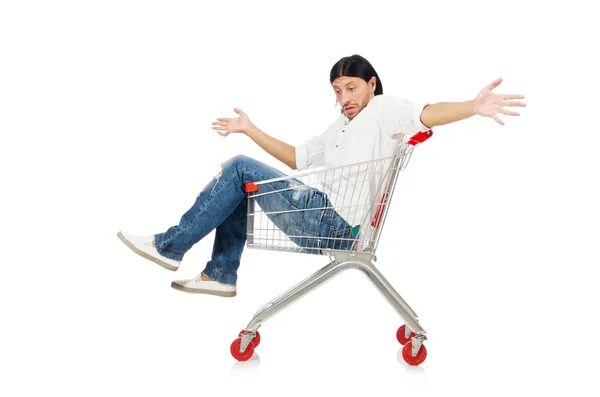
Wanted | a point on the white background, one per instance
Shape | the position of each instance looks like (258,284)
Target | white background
(492,237)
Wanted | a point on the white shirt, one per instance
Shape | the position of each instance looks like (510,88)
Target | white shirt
(372,134)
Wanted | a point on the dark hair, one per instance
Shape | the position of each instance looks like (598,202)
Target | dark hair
(356,66)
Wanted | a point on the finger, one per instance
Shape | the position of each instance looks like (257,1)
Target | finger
(219,123)
(513,96)
(222,133)
(238,111)
(495,117)
(495,83)
(219,128)
(223,119)
(508,112)
(513,103)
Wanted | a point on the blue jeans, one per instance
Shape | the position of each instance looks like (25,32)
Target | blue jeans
(223,205)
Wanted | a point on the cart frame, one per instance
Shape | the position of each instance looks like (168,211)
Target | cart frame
(363,258)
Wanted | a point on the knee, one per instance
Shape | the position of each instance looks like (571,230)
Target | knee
(239,161)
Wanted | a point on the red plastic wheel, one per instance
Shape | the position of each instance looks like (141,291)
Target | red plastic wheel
(235,350)
(256,339)
(407,354)
(400,335)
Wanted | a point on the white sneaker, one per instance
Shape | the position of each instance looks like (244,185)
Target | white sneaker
(142,245)
(198,285)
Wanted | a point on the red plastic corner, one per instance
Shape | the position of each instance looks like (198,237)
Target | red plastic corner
(251,187)
(377,217)
(420,137)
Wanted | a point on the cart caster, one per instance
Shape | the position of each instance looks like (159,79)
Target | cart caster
(400,335)
(408,357)
(241,356)
(256,339)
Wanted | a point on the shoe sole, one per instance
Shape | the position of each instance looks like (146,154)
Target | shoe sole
(226,294)
(145,255)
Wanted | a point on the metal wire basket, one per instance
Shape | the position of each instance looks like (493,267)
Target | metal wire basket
(359,193)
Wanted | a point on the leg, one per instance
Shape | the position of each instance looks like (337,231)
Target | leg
(213,205)
(318,225)
(230,239)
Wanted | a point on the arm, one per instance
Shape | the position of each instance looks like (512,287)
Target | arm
(446,112)
(486,104)
(276,148)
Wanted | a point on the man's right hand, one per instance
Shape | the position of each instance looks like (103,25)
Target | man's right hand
(240,124)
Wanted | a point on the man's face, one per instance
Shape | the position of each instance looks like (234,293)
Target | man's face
(353,94)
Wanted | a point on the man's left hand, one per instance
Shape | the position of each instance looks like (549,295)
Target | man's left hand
(489,104)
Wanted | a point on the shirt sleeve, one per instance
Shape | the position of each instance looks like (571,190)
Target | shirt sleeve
(311,153)
(400,116)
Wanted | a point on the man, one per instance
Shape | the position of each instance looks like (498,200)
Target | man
(370,126)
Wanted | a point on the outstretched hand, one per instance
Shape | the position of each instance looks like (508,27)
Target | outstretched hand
(489,104)
(240,124)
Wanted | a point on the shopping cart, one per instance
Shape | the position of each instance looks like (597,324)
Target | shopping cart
(356,200)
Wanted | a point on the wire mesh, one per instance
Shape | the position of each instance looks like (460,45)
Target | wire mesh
(326,210)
